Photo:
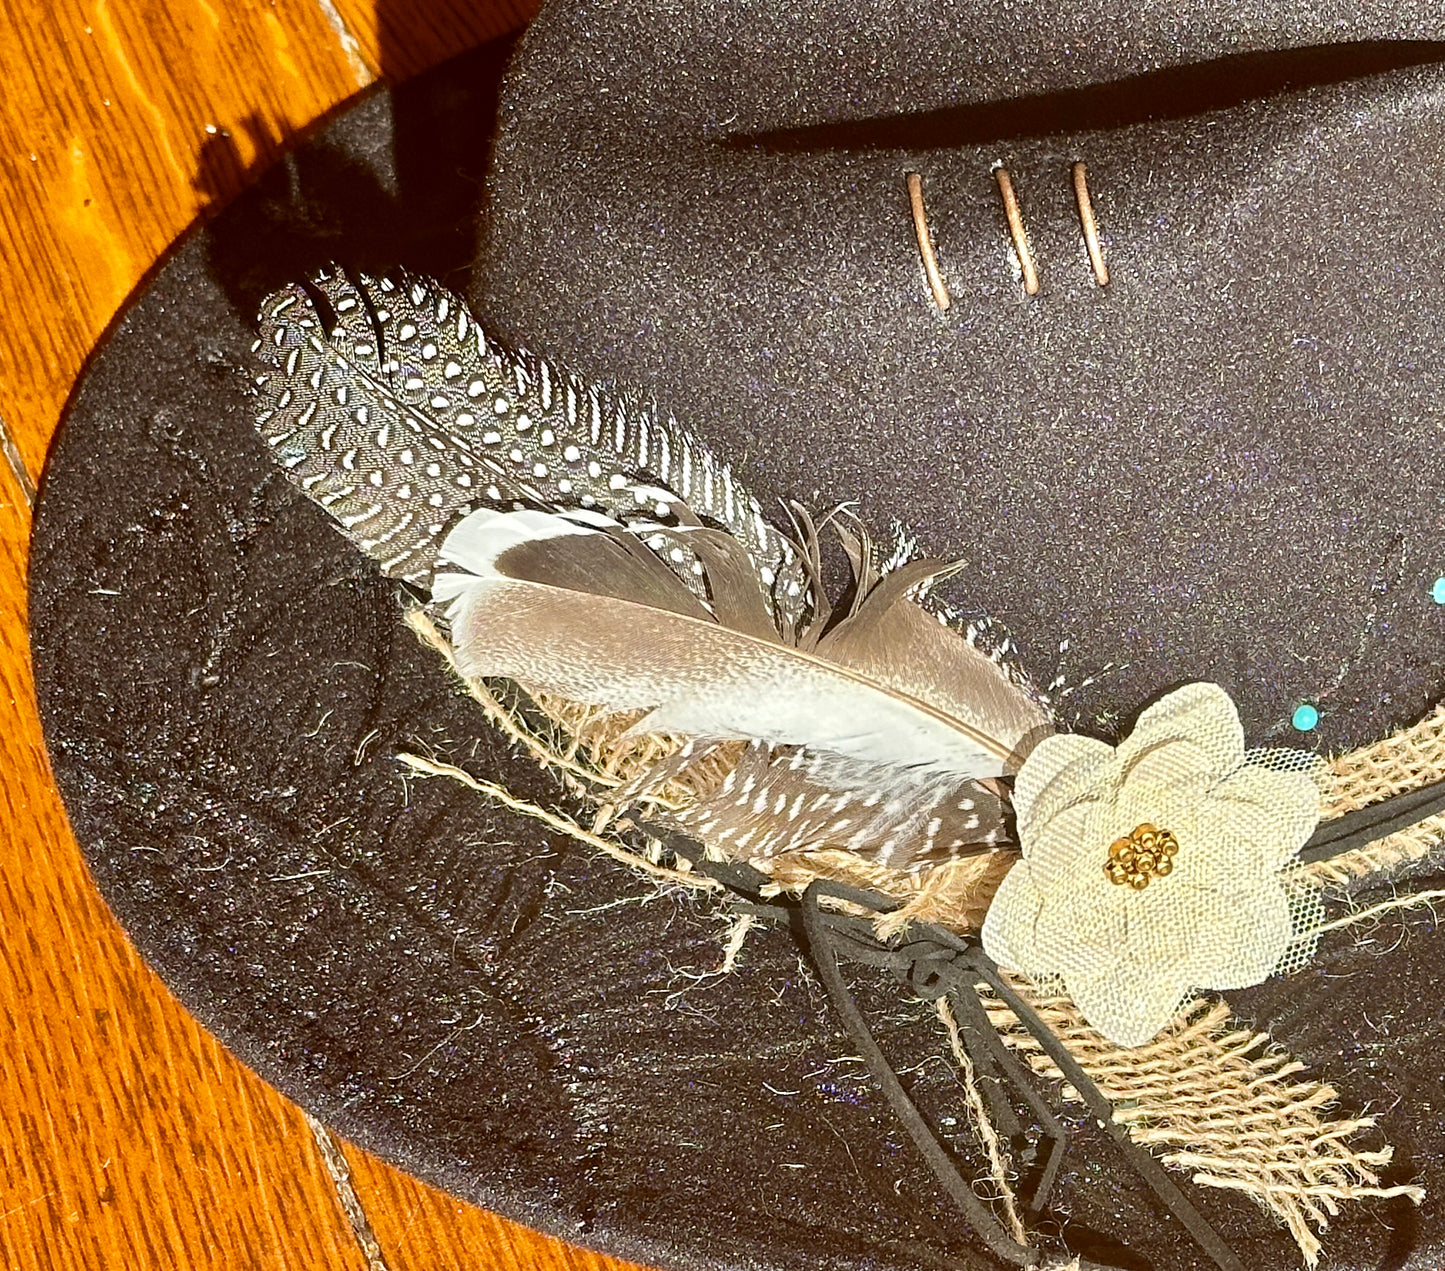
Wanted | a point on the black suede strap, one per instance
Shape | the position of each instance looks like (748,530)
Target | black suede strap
(1368,825)
(936,963)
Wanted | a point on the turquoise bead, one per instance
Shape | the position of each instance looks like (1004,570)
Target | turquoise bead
(1305,717)
(1437,592)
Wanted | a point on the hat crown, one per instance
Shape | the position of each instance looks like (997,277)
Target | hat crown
(1221,466)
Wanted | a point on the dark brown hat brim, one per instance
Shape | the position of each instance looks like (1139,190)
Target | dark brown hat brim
(225,684)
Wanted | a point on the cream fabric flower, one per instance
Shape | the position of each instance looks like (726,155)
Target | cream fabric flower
(1213,914)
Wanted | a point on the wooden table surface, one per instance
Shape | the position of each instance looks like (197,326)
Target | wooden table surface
(128,1137)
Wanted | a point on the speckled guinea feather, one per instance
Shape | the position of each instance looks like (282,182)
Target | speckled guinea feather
(386,402)
(579,546)
(784,799)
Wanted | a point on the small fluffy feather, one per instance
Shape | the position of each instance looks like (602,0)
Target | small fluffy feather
(781,800)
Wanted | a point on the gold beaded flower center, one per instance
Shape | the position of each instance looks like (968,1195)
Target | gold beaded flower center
(1148,852)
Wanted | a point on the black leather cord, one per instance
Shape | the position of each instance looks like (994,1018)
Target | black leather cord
(1365,826)
(824,951)
(934,963)
(977,1034)
(1143,1162)
(939,962)
(969,1012)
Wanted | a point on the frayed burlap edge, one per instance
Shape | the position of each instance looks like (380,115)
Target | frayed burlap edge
(1409,759)
(1226,1104)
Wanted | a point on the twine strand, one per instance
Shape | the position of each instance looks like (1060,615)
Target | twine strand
(987,1136)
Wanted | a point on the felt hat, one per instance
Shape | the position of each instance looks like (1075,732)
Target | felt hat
(1131,313)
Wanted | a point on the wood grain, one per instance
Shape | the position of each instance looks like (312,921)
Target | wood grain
(128,1137)
(401,38)
(110,117)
